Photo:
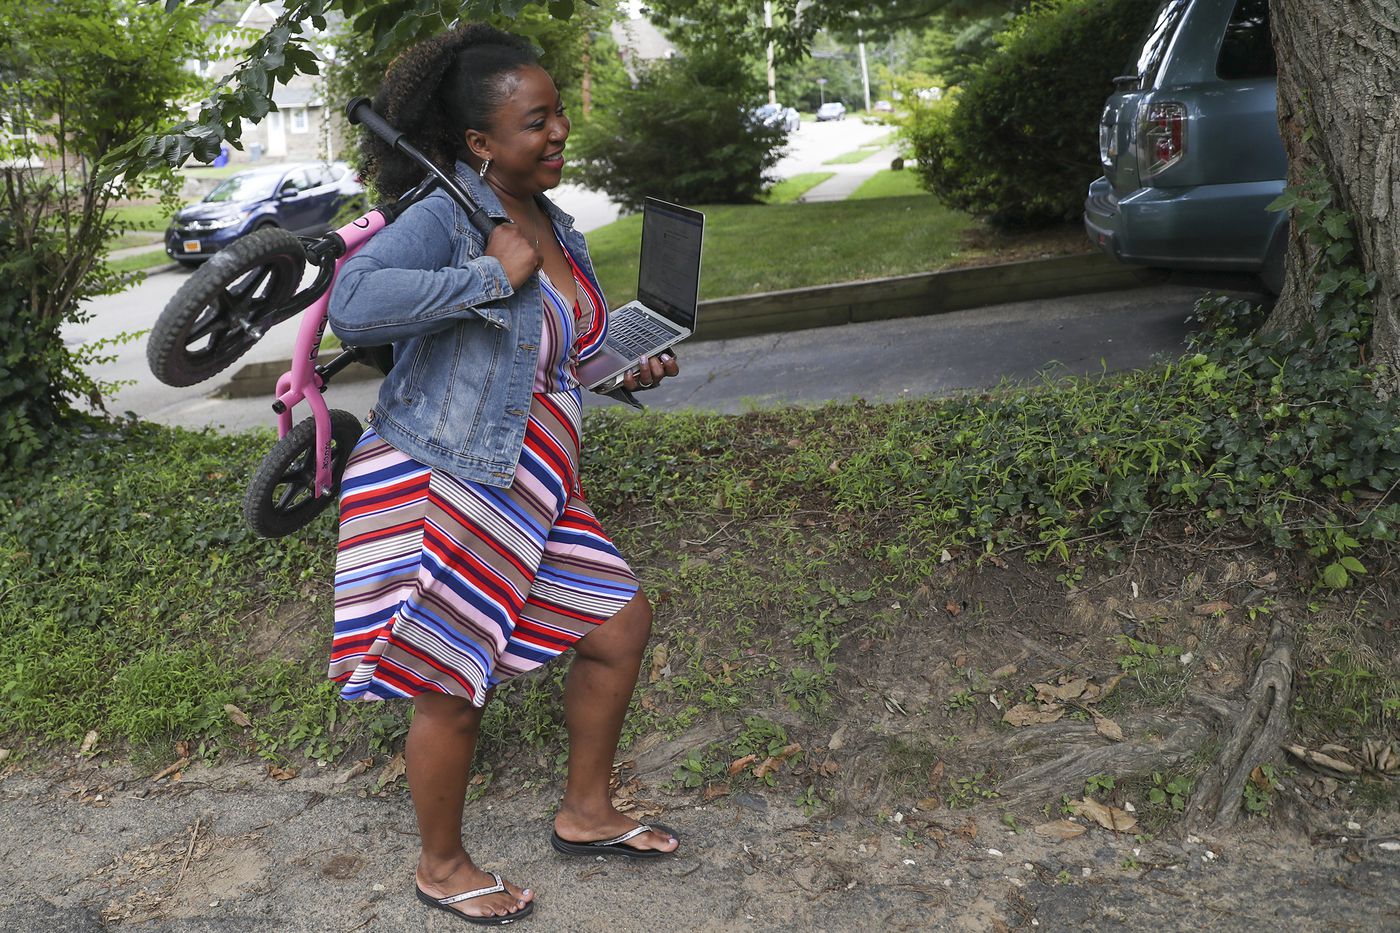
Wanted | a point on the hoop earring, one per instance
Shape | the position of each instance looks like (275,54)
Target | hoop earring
(484,166)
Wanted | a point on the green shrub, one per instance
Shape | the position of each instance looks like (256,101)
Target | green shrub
(1019,145)
(682,134)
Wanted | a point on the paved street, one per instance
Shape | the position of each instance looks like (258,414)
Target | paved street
(881,360)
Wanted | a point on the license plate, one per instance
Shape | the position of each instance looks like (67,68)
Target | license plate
(193,246)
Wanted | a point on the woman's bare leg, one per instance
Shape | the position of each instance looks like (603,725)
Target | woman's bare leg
(441,742)
(600,685)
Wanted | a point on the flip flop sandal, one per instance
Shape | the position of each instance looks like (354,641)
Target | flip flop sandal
(445,903)
(614,846)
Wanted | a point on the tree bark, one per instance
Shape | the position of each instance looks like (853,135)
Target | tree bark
(1339,110)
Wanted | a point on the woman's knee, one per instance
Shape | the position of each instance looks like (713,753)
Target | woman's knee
(625,635)
(447,713)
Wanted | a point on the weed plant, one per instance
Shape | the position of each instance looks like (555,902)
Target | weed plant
(136,597)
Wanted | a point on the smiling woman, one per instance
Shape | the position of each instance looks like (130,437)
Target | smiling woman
(468,553)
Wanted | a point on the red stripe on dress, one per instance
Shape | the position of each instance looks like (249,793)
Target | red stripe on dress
(454,555)
(480,533)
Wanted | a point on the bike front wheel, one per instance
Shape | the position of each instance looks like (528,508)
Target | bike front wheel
(282,497)
(221,312)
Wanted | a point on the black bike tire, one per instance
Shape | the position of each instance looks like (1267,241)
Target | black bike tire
(260,506)
(166,350)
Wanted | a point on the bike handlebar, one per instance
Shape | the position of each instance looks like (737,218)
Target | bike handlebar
(359,111)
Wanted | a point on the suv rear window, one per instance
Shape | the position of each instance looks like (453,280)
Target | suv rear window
(1158,39)
(1247,50)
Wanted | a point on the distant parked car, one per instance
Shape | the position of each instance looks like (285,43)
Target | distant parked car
(777,115)
(831,110)
(883,106)
(301,197)
(1190,146)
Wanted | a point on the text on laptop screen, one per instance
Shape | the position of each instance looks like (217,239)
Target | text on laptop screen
(669,281)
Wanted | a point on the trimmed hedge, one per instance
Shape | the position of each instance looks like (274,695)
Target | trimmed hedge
(1019,143)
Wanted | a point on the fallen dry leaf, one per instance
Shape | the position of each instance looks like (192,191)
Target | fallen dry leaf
(935,776)
(1067,688)
(1006,670)
(393,769)
(1120,821)
(89,742)
(968,830)
(739,764)
(1108,728)
(715,791)
(953,608)
(1212,608)
(660,663)
(182,749)
(1320,759)
(768,767)
(1031,714)
(171,769)
(1380,757)
(477,780)
(830,767)
(355,770)
(4,753)
(281,774)
(789,750)
(1060,830)
(237,715)
(928,803)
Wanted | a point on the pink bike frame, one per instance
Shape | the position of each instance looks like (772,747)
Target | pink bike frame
(303,383)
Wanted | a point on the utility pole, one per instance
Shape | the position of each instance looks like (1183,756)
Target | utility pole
(864,71)
(772,74)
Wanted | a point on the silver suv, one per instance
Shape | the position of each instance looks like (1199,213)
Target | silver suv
(1190,146)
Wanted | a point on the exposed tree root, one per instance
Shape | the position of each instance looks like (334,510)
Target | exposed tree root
(1154,741)
(1256,734)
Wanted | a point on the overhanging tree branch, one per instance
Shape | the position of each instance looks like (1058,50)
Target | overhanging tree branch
(284,52)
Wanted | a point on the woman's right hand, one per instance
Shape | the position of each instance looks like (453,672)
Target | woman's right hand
(517,257)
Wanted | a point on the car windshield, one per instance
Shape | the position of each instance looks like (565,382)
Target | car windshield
(767,110)
(246,187)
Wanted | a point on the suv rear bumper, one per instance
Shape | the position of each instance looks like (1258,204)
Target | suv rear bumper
(1202,227)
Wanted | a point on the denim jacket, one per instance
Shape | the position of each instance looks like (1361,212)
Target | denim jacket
(466,344)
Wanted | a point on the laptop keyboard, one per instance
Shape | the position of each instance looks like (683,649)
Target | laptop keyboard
(636,334)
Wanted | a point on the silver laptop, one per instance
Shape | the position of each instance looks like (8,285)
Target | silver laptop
(668,293)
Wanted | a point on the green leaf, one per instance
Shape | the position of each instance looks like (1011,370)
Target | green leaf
(1354,566)
(1336,576)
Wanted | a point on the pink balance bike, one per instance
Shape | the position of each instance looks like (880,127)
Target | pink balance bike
(243,291)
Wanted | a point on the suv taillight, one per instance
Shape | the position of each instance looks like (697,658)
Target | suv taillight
(1162,138)
(1108,138)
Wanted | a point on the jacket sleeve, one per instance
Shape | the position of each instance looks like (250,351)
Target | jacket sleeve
(402,283)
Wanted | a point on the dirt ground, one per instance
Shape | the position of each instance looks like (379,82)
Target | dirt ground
(911,804)
(229,849)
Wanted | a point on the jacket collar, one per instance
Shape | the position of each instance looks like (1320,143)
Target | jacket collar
(485,195)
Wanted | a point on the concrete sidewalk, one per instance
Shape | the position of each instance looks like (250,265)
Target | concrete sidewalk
(850,176)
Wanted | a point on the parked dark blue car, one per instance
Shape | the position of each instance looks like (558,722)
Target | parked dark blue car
(301,197)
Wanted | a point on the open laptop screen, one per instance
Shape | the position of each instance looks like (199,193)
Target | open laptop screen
(669,280)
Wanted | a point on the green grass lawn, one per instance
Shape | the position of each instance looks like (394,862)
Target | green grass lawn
(140,261)
(766,247)
(149,222)
(790,189)
(857,155)
(890,184)
(208,171)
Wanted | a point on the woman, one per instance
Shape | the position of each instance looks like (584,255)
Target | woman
(467,552)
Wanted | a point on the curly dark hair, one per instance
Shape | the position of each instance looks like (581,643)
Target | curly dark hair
(437,90)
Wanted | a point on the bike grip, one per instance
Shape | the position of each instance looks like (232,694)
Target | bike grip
(361,111)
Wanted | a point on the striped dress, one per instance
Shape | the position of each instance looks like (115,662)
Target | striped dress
(448,586)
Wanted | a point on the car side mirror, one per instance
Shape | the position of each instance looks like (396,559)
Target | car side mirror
(287,192)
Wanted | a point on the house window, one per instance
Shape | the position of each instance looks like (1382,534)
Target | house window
(297,118)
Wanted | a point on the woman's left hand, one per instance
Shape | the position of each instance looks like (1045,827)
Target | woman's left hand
(651,371)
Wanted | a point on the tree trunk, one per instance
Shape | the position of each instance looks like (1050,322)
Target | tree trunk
(1339,109)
